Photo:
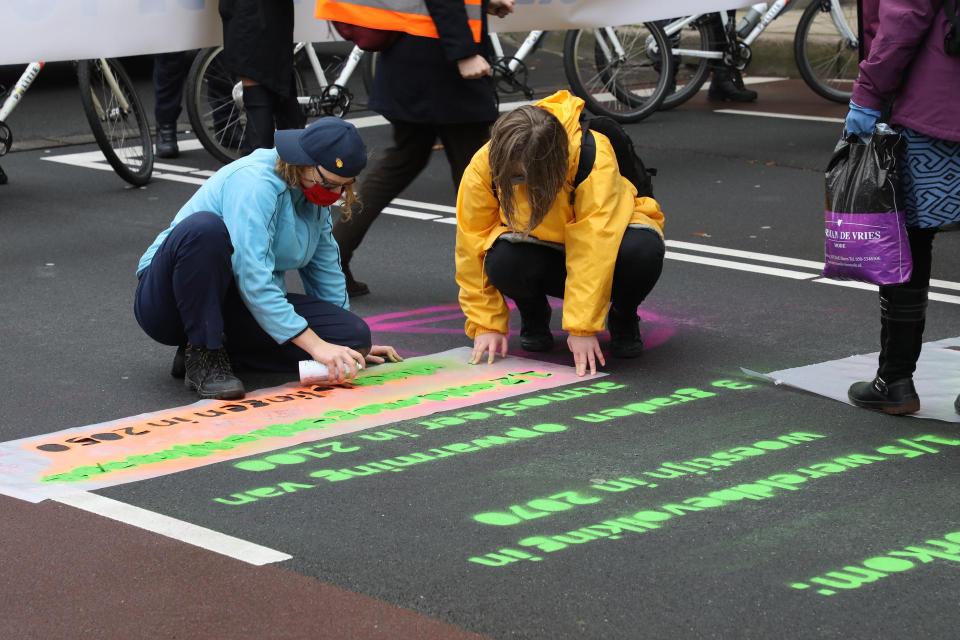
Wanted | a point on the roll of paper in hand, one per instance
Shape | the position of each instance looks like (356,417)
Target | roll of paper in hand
(312,372)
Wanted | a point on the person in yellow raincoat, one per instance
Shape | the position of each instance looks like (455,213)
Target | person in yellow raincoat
(524,232)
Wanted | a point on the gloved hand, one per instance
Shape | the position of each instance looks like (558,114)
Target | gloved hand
(861,120)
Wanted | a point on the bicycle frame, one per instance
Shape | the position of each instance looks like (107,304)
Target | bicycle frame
(771,14)
(353,60)
(529,43)
(114,87)
(26,79)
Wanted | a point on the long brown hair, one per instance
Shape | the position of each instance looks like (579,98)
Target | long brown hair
(292,174)
(531,140)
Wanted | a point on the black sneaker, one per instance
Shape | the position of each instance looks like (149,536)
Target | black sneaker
(179,368)
(895,398)
(625,340)
(3,176)
(956,404)
(208,372)
(355,288)
(167,141)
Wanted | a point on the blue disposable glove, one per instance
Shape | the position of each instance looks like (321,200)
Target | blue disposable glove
(861,120)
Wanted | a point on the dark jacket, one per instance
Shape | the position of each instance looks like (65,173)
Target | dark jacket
(417,79)
(907,66)
(258,41)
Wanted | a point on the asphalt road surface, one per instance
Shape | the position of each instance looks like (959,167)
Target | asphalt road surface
(412,555)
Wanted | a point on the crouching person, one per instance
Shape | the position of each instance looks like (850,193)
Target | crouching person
(533,220)
(212,283)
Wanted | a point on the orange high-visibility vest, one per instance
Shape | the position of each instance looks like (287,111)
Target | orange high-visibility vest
(408,16)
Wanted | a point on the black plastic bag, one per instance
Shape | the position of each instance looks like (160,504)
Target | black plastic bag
(865,235)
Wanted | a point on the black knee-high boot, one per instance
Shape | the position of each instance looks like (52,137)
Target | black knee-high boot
(902,320)
(258,105)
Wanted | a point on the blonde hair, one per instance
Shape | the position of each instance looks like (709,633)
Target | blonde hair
(292,175)
(534,140)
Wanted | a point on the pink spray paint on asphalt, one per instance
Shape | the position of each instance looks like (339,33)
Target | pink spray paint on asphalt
(448,319)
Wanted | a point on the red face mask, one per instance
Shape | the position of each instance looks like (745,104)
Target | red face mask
(320,196)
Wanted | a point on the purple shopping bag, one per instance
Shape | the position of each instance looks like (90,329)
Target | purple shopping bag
(865,235)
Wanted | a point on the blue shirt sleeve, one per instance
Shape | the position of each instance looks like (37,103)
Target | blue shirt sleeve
(323,276)
(250,207)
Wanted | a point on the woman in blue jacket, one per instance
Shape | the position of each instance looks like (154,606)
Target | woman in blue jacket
(212,283)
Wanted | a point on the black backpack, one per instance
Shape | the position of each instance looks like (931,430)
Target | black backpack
(630,165)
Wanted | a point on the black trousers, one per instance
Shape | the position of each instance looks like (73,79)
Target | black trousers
(188,295)
(527,273)
(400,165)
(169,77)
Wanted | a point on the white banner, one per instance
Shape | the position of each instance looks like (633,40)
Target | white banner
(52,30)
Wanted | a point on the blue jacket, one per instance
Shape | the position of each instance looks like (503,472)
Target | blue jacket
(273,229)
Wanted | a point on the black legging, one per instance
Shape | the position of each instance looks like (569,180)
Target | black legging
(903,312)
(921,250)
(527,272)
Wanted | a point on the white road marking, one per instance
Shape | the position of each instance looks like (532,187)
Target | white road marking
(95,160)
(784,116)
(176,168)
(741,266)
(429,206)
(405,213)
(176,529)
(753,255)
(176,177)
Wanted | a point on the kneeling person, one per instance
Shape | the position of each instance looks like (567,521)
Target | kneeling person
(212,283)
(525,231)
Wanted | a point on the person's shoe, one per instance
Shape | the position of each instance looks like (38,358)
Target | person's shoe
(179,368)
(535,334)
(3,176)
(956,404)
(625,340)
(355,288)
(895,398)
(208,372)
(167,141)
(538,341)
(727,86)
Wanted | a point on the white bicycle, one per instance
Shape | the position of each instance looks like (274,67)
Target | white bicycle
(618,71)
(825,46)
(214,94)
(113,110)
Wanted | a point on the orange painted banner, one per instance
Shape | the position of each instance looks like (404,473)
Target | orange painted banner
(210,431)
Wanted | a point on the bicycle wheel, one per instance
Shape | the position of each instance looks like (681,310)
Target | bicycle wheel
(826,49)
(214,99)
(620,72)
(117,119)
(691,69)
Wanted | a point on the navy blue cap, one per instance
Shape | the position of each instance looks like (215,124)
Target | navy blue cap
(330,142)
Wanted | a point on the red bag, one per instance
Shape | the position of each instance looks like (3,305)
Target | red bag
(366,38)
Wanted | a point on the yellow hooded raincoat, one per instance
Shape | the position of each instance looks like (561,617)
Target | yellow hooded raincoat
(590,230)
